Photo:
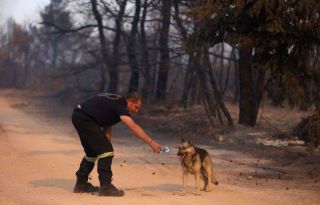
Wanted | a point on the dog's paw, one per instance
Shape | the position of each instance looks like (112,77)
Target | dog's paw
(182,192)
(197,193)
(208,189)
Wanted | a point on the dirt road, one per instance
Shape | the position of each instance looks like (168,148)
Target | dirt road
(39,153)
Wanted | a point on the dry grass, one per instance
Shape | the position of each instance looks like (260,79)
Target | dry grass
(272,123)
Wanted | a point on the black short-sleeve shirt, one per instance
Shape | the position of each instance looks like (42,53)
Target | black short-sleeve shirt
(106,108)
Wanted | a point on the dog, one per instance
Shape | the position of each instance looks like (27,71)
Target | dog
(196,161)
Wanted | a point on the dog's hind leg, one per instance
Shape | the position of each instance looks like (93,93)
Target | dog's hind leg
(197,178)
(207,186)
(205,179)
(213,178)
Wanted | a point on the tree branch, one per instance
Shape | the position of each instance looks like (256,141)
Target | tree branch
(63,30)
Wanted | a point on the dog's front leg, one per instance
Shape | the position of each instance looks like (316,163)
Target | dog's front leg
(184,182)
(197,177)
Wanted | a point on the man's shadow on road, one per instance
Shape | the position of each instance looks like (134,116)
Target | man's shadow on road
(66,184)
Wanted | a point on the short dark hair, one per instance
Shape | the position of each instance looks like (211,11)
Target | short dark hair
(134,97)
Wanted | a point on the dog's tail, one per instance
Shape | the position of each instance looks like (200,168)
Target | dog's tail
(213,178)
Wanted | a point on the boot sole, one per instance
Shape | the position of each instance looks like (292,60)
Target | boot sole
(111,195)
(86,191)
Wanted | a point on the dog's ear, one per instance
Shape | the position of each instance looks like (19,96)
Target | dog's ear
(182,140)
(190,143)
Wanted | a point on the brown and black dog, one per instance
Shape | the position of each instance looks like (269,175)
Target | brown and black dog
(196,161)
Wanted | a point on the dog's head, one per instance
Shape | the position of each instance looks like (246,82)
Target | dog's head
(185,148)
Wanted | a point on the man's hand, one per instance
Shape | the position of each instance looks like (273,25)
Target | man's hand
(155,146)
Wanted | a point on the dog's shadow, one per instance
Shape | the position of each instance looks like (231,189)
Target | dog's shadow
(174,189)
(66,184)
(163,187)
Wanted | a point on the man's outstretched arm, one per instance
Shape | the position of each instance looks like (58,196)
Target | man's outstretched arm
(139,132)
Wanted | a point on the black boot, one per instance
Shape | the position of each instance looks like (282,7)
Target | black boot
(110,190)
(82,185)
(86,187)
(105,177)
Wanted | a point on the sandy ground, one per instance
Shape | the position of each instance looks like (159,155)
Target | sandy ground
(40,152)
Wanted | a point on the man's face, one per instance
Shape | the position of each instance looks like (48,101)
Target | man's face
(134,107)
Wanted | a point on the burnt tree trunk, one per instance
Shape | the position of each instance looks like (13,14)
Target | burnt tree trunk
(216,92)
(114,61)
(131,49)
(236,79)
(247,104)
(207,98)
(259,88)
(224,89)
(103,44)
(164,51)
(189,79)
(145,64)
(221,66)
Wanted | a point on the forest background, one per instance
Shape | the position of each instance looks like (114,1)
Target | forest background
(222,61)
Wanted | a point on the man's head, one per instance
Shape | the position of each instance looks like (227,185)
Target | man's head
(134,102)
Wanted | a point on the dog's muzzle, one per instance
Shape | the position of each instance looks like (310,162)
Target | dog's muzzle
(182,155)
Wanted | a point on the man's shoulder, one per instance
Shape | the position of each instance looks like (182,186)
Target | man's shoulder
(113,99)
(110,96)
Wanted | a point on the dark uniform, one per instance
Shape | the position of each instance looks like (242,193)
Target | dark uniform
(89,118)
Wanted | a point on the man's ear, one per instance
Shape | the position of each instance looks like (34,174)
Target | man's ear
(129,102)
